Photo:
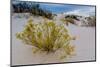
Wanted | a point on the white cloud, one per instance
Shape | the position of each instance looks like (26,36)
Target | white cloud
(84,12)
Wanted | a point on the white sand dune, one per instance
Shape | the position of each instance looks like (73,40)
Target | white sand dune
(22,54)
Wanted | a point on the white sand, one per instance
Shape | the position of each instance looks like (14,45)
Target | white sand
(22,54)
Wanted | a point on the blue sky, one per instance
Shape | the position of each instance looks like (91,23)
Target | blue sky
(69,8)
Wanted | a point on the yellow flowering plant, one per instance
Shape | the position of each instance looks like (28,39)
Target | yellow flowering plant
(47,36)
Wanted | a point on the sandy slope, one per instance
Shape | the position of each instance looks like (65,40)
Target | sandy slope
(22,54)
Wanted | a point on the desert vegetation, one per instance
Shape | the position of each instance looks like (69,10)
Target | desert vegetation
(33,9)
(51,32)
(84,21)
(47,36)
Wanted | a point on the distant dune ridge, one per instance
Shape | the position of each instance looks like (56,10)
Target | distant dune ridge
(75,17)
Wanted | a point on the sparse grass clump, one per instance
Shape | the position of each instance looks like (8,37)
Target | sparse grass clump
(47,36)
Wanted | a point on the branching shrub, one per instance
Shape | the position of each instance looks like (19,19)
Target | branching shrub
(47,36)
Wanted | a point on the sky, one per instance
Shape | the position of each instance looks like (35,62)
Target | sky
(69,8)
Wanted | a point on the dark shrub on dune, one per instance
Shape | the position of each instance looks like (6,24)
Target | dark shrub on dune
(91,21)
(72,16)
(85,21)
(70,19)
(33,8)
